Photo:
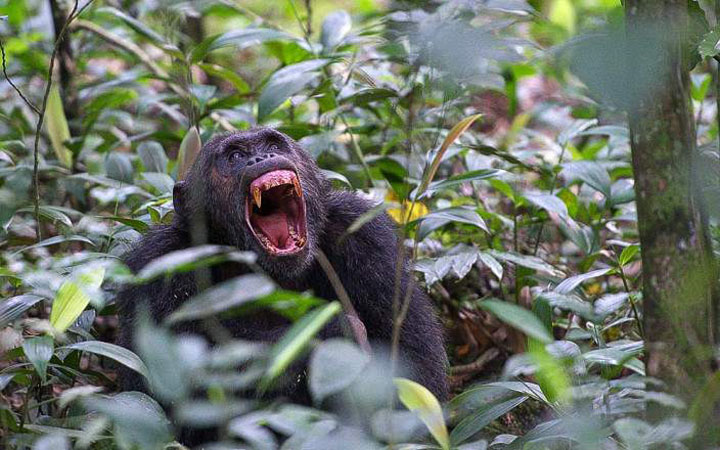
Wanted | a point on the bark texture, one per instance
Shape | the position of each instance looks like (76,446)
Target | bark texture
(679,276)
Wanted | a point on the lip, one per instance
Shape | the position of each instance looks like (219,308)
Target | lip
(275,211)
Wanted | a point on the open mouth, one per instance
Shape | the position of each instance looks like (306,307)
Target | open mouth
(275,212)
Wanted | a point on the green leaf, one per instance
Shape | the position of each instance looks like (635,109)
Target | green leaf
(72,298)
(548,202)
(335,27)
(472,175)
(285,83)
(189,149)
(221,297)
(135,224)
(628,254)
(228,75)
(482,417)
(550,373)
(295,340)
(334,365)
(570,284)
(53,214)
(13,307)
(436,219)
(57,127)
(137,26)
(419,399)
(38,351)
(189,259)
(519,318)
(365,96)
(531,262)
(239,39)
(708,47)
(153,156)
(112,351)
(591,173)
(56,240)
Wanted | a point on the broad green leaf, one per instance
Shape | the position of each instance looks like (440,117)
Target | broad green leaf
(136,25)
(575,130)
(57,127)
(190,259)
(562,13)
(335,27)
(591,173)
(369,95)
(481,418)
(136,224)
(72,297)
(452,136)
(419,399)
(228,75)
(238,38)
(13,307)
(221,297)
(56,240)
(518,317)
(436,219)
(709,46)
(334,365)
(139,421)
(189,149)
(571,303)
(531,262)
(570,284)
(38,350)
(112,351)
(167,376)
(548,202)
(161,182)
(153,156)
(119,167)
(287,82)
(296,339)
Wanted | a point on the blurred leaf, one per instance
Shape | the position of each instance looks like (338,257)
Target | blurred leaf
(139,420)
(57,127)
(238,38)
(161,182)
(189,149)
(519,318)
(570,284)
(335,27)
(38,350)
(628,254)
(548,202)
(562,13)
(137,26)
(531,262)
(228,75)
(72,297)
(221,297)
(189,259)
(368,95)
(287,82)
(153,156)
(13,307)
(137,225)
(334,365)
(420,400)
(708,47)
(295,340)
(119,167)
(472,175)
(550,373)
(112,351)
(56,240)
(167,376)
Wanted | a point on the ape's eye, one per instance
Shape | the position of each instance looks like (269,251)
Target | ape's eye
(273,148)
(235,156)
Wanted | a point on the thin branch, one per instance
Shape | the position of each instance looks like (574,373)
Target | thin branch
(9,80)
(350,312)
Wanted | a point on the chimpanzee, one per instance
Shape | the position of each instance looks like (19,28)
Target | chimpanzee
(259,190)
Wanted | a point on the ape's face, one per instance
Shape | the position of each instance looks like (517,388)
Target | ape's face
(257,190)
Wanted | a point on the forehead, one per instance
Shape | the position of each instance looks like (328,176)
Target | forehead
(254,138)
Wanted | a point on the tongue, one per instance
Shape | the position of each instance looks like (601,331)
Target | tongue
(274,226)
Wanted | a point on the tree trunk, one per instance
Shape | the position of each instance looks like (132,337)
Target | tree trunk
(66,68)
(679,276)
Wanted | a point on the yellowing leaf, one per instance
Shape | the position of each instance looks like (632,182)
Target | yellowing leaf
(562,13)
(57,127)
(411,213)
(419,399)
(71,299)
(456,131)
(189,149)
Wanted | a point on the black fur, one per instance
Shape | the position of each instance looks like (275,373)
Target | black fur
(210,209)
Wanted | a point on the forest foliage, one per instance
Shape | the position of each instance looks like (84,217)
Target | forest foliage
(493,132)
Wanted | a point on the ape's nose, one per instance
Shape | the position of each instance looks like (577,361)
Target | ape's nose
(258,158)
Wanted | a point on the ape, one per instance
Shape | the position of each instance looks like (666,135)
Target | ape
(258,190)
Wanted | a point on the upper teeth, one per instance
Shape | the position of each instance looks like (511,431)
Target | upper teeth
(257,196)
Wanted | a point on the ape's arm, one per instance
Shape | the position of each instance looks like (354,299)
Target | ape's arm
(366,263)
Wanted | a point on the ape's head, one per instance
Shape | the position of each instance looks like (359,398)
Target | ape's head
(256,190)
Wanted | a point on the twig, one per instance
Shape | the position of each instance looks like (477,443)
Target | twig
(350,312)
(10,82)
(476,365)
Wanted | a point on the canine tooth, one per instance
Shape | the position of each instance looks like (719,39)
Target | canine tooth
(257,195)
(298,189)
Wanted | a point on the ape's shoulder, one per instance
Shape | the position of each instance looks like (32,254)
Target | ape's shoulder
(155,243)
(377,235)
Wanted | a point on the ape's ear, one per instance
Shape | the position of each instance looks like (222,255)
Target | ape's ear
(179,198)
